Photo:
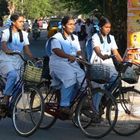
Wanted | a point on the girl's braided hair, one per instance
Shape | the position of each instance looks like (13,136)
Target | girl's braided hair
(13,18)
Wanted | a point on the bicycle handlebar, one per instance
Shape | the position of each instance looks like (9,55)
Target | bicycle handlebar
(37,60)
(111,56)
(130,63)
(17,53)
(83,61)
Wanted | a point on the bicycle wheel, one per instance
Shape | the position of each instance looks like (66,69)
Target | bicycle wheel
(51,100)
(92,126)
(74,120)
(28,111)
(128,121)
(2,85)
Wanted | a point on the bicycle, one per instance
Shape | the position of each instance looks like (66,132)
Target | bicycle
(127,98)
(25,106)
(82,108)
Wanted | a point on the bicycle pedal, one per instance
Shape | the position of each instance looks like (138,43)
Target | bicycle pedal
(96,120)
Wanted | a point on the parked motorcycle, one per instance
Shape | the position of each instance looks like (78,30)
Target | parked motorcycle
(36,33)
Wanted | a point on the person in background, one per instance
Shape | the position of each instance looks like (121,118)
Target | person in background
(82,36)
(14,39)
(2,27)
(35,29)
(78,25)
(26,26)
(89,29)
(40,23)
(35,24)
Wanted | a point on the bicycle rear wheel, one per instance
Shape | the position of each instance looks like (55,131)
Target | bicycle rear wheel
(128,121)
(28,111)
(87,121)
(51,101)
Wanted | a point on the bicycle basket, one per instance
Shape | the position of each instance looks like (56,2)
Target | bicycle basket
(32,73)
(131,75)
(99,73)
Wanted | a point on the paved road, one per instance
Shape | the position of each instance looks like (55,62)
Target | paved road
(37,47)
(62,130)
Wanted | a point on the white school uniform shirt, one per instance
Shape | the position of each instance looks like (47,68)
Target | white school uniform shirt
(8,62)
(69,73)
(105,48)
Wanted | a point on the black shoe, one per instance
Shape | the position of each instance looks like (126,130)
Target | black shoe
(65,113)
(4,101)
(95,116)
(65,110)
(3,112)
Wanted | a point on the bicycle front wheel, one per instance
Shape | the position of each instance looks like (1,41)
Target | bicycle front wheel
(92,126)
(28,111)
(128,121)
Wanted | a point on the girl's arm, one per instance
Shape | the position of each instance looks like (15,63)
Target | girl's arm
(28,52)
(5,48)
(62,54)
(98,52)
(117,55)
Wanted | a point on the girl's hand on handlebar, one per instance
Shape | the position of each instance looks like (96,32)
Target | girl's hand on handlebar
(71,58)
(104,57)
(108,56)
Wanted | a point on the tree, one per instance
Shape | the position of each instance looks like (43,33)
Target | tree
(35,8)
(31,9)
(3,8)
(115,10)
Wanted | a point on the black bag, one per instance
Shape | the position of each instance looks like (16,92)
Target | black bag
(99,73)
(131,75)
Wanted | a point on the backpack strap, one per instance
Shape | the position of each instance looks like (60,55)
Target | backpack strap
(48,47)
(101,38)
(108,39)
(88,49)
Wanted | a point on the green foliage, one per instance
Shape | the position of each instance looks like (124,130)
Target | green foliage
(3,8)
(32,8)
(115,10)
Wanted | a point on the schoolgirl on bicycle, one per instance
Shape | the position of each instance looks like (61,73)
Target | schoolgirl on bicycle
(64,69)
(103,45)
(14,39)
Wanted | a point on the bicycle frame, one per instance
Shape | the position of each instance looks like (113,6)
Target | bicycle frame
(116,88)
(16,91)
(80,94)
